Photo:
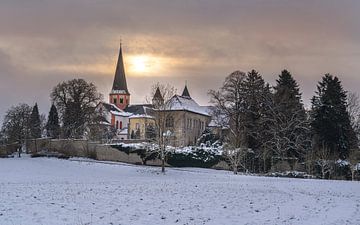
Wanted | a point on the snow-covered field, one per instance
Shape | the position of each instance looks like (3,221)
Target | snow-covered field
(52,191)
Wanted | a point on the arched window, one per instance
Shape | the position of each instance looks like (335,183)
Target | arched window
(120,124)
(117,124)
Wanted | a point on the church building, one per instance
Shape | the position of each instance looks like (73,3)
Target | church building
(186,122)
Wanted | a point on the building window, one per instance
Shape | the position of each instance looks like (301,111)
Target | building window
(137,126)
(121,100)
(169,122)
(117,124)
(120,124)
(114,101)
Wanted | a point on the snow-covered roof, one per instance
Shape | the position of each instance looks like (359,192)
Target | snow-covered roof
(117,113)
(186,103)
(113,109)
(141,116)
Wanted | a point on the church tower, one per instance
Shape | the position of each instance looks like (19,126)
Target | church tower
(119,94)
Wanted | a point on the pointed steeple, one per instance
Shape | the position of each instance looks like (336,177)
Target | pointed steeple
(157,94)
(186,93)
(119,85)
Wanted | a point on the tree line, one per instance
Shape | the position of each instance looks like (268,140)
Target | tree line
(71,115)
(269,125)
(264,126)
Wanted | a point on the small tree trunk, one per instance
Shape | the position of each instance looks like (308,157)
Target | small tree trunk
(163,165)
(235,169)
(162,160)
(353,174)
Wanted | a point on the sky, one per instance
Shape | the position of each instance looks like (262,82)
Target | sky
(198,42)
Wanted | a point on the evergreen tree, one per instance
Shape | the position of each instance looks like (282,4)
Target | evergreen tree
(330,119)
(35,123)
(241,105)
(254,91)
(290,115)
(52,126)
(287,94)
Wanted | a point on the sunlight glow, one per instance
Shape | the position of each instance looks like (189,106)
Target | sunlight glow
(140,64)
(148,65)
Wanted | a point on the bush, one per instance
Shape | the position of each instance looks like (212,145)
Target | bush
(198,157)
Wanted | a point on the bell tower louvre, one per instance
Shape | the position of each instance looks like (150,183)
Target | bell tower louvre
(119,94)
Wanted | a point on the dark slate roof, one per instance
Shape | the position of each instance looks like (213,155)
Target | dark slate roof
(120,79)
(158,95)
(143,109)
(186,93)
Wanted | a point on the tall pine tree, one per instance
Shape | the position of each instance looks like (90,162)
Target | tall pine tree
(53,126)
(254,90)
(330,119)
(290,116)
(35,123)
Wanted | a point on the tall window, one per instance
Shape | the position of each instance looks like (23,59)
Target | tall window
(121,100)
(114,101)
(117,124)
(120,124)
(169,122)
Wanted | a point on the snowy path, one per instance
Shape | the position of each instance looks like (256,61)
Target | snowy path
(52,191)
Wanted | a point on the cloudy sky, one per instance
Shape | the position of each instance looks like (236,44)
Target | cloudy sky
(43,42)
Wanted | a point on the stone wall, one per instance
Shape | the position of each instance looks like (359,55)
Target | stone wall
(95,150)
(84,148)
(9,149)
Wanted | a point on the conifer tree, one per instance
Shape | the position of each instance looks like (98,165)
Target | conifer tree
(53,126)
(254,91)
(290,115)
(287,94)
(330,119)
(35,123)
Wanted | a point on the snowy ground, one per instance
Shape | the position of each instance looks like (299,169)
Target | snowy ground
(52,191)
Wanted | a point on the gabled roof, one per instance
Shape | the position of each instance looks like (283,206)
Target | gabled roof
(120,84)
(188,104)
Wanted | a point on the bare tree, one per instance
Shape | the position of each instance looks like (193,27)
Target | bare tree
(323,161)
(354,159)
(76,101)
(229,112)
(16,123)
(353,108)
(235,155)
(287,133)
(162,105)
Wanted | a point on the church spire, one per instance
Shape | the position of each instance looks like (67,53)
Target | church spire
(119,94)
(119,84)
(186,93)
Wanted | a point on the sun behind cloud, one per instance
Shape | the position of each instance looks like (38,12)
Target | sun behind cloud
(140,63)
(146,65)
